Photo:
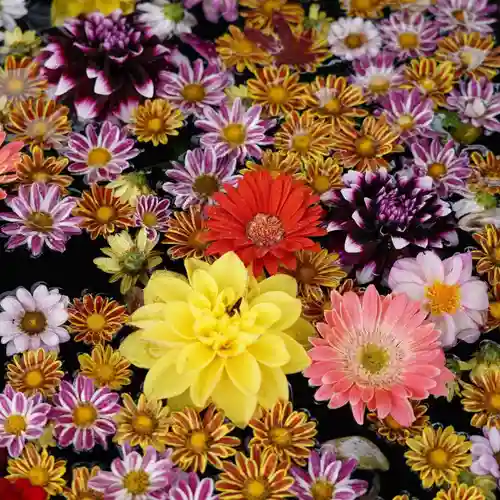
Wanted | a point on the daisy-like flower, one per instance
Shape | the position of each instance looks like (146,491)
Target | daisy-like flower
(105,367)
(485,173)
(482,397)
(22,419)
(40,217)
(8,162)
(304,136)
(82,415)
(438,455)
(80,488)
(193,488)
(276,162)
(135,477)
(40,122)
(461,491)
(351,38)
(322,176)
(19,80)
(197,441)
(449,170)
(364,149)
(261,12)
(30,321)
(464,15)
(35,372)
(129,186)
(261,475)
(154,121)
(487,256)
(476,103)
(152,213)
(195,87)
(39,468)
(100,156)
(144,423)
(457,302)
(327,478)
(409,34)
(364,355)
(213,9)
(10,11)
(262,231)
(20,43)
(95,319)
(484,452)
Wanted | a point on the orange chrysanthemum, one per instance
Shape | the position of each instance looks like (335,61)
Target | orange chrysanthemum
(96,319)
(80,489)
(488,257)
(198,441)
(482,397)
(19,80)
(461,492)
(276,162)
(364,8)
(260,15)
(264,220)
(485,173)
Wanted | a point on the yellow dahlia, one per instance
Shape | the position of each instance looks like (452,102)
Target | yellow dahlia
(482,397)
(460,492)
(80,489)
(260,15)
(277,162)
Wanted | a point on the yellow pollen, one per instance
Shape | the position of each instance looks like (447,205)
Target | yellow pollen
(277,95)
(40,221)
(459,15)
(265,230)
(245,47)
(84,415)
(365,147)
(15,424)
(495,309)
(373,358)
(443,299)
(39,129)
(438,458)
(206,185)
(33,322)
(193,92)
(154,125)
(198,441)
(322,490)
(15,86)
(280,436)
(38,476)
(495,401)
(408,41)
(98,157)
(105,373)
(355,40)
(363,5)
(406,122)
(391,423)
(436,170)
(96,322)
(428,85)
(34,379)
(255,489)
(40,177)
(466,58)
(105,214)
(321,184)
(136,482)
(333,106)
(143,424)
(379,84)
(301,143)
(270,6)
(235,134)
(150,219)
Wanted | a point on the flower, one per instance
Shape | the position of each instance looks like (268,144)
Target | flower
(129,260)
(197,441)
(194,88)
(203,174)
(484,451)
(40,122)
(20,489)
(20,43)
(365,149)
(327,477)
(261,229)
(145,423)
(102,213)
(476,103)
(95,319)
(134,476)
(487,256)
(482,397)
(457,302)
(460,492)
(10,11)
(221,361)
(63,9)
(234,131)
(485,173)
(276,162)
(125,61)
(22,419)
(30,321)
(363,9)
(152,213)
(261,475)
(129,186)
(35,372)
(165,18)
(466,15)
(363,354)
(261,13)
(40,468)
(438,455)
(213,10)
(193,488)
(100,156)
(105,367)
(9,158)
(80,485)
(83,415)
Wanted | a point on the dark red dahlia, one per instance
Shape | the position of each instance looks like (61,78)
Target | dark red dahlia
(97,63)
(378,216)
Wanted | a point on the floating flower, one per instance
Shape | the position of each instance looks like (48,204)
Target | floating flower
(482,397)
(461,491)
(487,257)
(9,157)
(213,9)
(193,488)
(465,15)
(80,484)
(484,451)
(19,80)
(20,43)
(485,173)
(261,13)
(152,213)
(129,186)
(276,162)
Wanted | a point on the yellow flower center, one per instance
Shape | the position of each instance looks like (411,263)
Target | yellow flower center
(438,458)
(38,476)
(365,146)
(280,436)
(355,40)
(40,221)
(408,41)
(96,322)
(255,489)
(193,92)
(198,441)
(301,143)
(15,424)
(98,157)
(321,184)
(322,490)
(363,5)
(150,219)
(379,84)
(373,358)
(495,309)
(270,6)
(466,58)
(154,125)
(459,15)
(495,401)
(34,379)
(277,95)
(235,134)
(428,85)
(105,373)
(105,214)
(143,424)
(33,322)
(84,415)
(406,122)
(265,230)
(206,185)
(391,423)
(443,299)
(436,170)
(39,129)
(245,47)
(15,86)
(333,106)
(136,482)
(40,177)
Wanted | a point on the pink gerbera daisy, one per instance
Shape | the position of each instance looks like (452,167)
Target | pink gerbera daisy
(152,213)
(100,156)
(377,352)
(22,419)
(83,415)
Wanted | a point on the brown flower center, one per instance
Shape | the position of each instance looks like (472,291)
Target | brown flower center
(235,134)
(280,436)
(365,146)
(438,458)
(105,214)
(265,230)
(143,424)
(436,170)
(40,221)
(33,322)
(322,490)
(105,373)
(40,177)
(355,40)
(15,424)
(245,47)
(150,219)
(193,92)
(84,415)
(34,379)
(136,482)
(277,95)
(391,423)
(306,274)
(459,15)
(408,40)
(494,401)
(206,185)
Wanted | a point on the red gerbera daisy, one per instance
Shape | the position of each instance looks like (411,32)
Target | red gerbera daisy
(265,220)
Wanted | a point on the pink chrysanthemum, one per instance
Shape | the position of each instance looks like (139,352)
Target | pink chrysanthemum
(193,488)
(40,217)
(22,419)
(152,213)
(83,415)
(234,131)
(376,352)
(464,15)
(193,89)
(100,156)
(456,301)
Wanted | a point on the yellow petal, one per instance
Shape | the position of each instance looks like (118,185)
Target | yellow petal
(206,381)
(301,331)
(147,316)
(205,285)
(299,360)
(266,315)
(120,243)
(194,357)
(290,307)
(166,288)
(178,403)
(273,388)
(107,265)
(230,272)
(181,318)
(192,265)
(270,350)
(161,334)
(244,372)
(279,283)
(139,352)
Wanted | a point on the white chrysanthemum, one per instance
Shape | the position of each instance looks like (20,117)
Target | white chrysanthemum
(10,10)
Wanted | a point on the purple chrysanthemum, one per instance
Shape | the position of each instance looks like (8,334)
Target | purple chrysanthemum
(83,415)
(448,169)
(40,217)
(485,451)
(152,213)
(476,103)
(202,175)
(464,15)
(193,488)
(214,9)
(100,156)
(97,62)
(234,131)
(22,419)
(327,477)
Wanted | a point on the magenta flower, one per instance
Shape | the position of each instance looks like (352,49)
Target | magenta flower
(202,175)
(83,415)
(464,15)
(234,131)
(40,217)
(152,213)
(484,452)
(326,472)
(193,488)
(214,9)
(100,157)
(22,419)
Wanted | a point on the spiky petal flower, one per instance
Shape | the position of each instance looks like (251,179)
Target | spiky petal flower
(364,357)
(193,488)
(464,15)
(152,213)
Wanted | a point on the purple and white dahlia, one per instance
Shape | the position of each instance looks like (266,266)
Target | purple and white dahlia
(378,216)
(96,63)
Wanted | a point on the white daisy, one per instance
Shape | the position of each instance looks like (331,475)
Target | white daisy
(30,321)
(10,10)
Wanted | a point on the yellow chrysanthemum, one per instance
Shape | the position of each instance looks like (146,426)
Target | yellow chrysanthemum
(260,15)
(62,9)
(322,175)
(460,492)
(485,173)
(277,162)
(80,489)
(364,8)
(482,397)
(20,43)
(218,334)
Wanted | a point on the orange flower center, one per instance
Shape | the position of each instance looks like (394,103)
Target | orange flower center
(194,92)
(235,134)
(105,214)
(40,221)
(15,424)
(198,441)
(406,122)
(155,125)
(150,219)
(136,482)
(143,424)
(15,86)
(408,41)
(265,230)
(301,143)
(333,106)
(206,185)
(373,358)
(459,15)
(98,157)
(365,146)
(34,379)
(255,489)
(436,170)
(363,5)
(438,458)
(321,184)
(277,95)
(494,400)
(280,436)
(245,47)
(33,322)
(379,84)
(96,322)
(84,415)
(322,490)
(355,40)
(443,299)
(38,476)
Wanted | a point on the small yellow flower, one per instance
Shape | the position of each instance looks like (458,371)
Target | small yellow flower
(261,12)
(485,173)
(277,162)
(129,186)
(47,439)
(79,485)
(364,8)
(238,92)
(322,176)
(460,492)
(19,43)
